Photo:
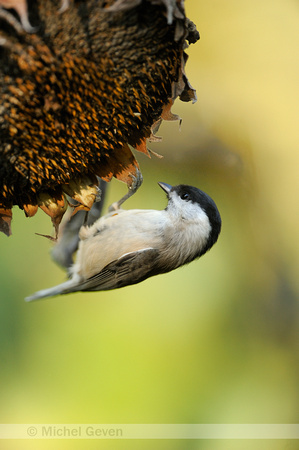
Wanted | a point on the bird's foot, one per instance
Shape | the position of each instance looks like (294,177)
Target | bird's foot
(133,187)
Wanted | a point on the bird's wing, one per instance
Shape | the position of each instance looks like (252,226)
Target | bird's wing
(130,268)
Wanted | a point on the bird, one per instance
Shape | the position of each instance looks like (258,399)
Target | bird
(125,247)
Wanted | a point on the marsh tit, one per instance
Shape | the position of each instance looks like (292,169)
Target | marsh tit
(125,247)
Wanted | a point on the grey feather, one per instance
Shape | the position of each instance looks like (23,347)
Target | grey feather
(131,268)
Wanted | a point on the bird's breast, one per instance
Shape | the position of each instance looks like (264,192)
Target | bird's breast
(115,235)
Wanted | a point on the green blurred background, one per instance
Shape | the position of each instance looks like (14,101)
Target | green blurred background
(215,341)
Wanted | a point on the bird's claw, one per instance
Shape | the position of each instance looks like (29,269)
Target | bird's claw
(133,187)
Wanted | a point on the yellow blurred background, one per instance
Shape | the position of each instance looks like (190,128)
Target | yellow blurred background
(215,341)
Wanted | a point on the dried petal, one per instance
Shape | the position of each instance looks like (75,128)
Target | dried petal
(156,154)
(47,236)
(83,191)
(122,165)
(5,221)
(141,147)
(167,114)
(65,4)
(54,207)
(30,210)
(21,8)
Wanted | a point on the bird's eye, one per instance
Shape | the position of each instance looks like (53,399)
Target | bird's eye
(185,196)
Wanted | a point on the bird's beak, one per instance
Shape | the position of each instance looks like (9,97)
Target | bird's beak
(166,187)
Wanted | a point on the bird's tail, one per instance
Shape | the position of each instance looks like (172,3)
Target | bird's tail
(63,288)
